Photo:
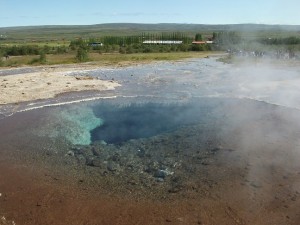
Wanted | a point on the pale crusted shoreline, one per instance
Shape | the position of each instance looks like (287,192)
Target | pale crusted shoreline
(47,83)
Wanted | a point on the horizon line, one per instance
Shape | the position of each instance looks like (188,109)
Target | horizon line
(203,24)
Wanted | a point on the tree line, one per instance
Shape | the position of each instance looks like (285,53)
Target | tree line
(18,50)
(280,41)
(134,44)
(134,39)
(127,45)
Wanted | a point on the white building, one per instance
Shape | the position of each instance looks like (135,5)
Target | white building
(160,42)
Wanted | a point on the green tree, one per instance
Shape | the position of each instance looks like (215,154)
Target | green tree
(42,58)
(228,39)
(197,48)
(214,36)
(198,37)
(122,50)
(82,55)
(79,43)
(184,47)
(1,60)
(46,49)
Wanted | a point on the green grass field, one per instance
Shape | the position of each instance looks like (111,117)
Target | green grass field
(49,34)
(110,59)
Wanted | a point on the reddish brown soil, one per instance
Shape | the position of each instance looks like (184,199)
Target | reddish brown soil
(28,198)
(33,197)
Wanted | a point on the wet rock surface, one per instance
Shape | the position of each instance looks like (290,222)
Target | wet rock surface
(160,165)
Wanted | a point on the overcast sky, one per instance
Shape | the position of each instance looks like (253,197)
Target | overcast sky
(81,12)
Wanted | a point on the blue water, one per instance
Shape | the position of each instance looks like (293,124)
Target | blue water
(134,121)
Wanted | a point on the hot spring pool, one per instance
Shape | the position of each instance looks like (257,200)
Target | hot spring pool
(120,120)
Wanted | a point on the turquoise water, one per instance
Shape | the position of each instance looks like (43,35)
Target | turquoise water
(74,123)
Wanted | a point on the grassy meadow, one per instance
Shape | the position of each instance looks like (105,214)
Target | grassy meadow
(105,59)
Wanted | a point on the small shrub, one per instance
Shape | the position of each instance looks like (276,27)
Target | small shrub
(82,55)
(1,61)
(34,61)
(122,50)
(42,58)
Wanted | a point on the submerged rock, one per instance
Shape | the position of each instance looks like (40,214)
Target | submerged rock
(159,179)
(89,161)
(113,167)
(97,162)
(162,173)
(70,153)
(81,159)
(96,151)
(141,153)
(83,150)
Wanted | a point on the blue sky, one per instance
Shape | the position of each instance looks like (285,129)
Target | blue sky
(81,12)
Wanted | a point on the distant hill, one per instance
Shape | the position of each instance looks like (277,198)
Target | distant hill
(86,31)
